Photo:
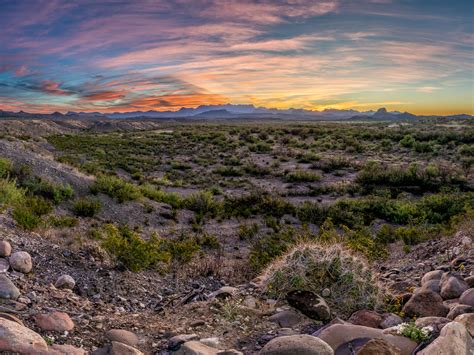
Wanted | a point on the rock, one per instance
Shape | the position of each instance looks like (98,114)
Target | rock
(458,310)
(195,348)
(286,319)
(470,281)
(54,321)
(467,320)
(453,287)
(224,292)
(309,304)
(58,349)
(454,339)
(175,342)
(229,352)
(326,292)
(296,344)
(432,275)
(467,297)
(21,262)
(65,281)
(8,289)
(332,322)
(4,265)
(123,349)
(212,342)
(122,336)
(14,338)
(430,285)
(250,302)
(425,304)
(378,347)
(436,322)
(11,317)
(5,248)
(366,318)
(390,320)
(343,337)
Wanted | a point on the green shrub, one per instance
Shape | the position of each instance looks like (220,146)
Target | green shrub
(28,213)
(10,194)
(116,188)
(6,167)
(315,267)
(203,203)
(63,221)
(407,141)
(248,231)
(171,198)
(86,207)
(55,192)
(302,176)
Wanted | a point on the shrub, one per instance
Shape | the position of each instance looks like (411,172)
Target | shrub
(302,176)
(248,231)
(86,207)
(171,198)
(407,141)
(55,192)
(10,194)
(28,213)
(116,188)
(314,267)
(202,203)
(63,221)
(6,167)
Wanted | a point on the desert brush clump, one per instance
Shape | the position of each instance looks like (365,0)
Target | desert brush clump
(317,266)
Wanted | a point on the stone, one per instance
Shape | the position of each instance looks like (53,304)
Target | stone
(458,310)
(436,322)
(11,317)
(296,344)
(286,319)
(195,348)
(343,337)
(224,292)
(310,304)
(390,320)
(65,281)
(21,262)
(230,352)
(454,339)
(470,281)
(432,275)
(212,342)
(122,336)
(332,322)
(425,304)
(4,265)
(15,338)
(366,318)
(58,349)
(467,320)
(378,347)
(8,289)
(54,321)
(467,297)
(430,285)
(123,349)
(5,248)
(175,342)
(326,292)
(453,287)
(250,302)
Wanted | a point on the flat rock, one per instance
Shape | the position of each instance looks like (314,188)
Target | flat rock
(7,289)
(458,310)
(366,318)
(54,321)
(21,261)
(122,336)
(286,319)
(58,349)
(15,338)
(467,297)
(123,349)
(425,304)
(297,344)
(454,339)
(310,304)
(5,248)
(195,348)
(175,342)
(378,347)
(341,336)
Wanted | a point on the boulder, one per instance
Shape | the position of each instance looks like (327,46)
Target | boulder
(458,310)
(224,292)
(430,285)
(432,275)
(195,348)
(11,317)
(286,319)
(453,287)
(65,281)
(310,304)
(366,318)
(123,349)
(378,347)
(454,339)
(8,289)
(343,337)
(467,320)
(58,349)
(15,338)
(296,344)
(390,320)
(436,322)
(122,336)
(467,297)
(425,304)
(5,248)
(175,342)
(54,321)
(470,281)
(21,262)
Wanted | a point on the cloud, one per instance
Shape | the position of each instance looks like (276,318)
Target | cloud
(428,89)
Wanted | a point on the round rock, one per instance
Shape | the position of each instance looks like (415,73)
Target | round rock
(467,297)
(122,336)
(5,248)
(54,321)
(297,344)
(21,262)
(65,281)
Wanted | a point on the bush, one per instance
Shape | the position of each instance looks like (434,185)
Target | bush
(6,167)
(55,192)
(86,207)
(248,231)
(10,194)
(63,221)
(26,218)
(116,188)
(202,203)
(302,176)
(171,198)
(314,267)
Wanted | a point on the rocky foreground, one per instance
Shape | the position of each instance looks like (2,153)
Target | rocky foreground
(49,311)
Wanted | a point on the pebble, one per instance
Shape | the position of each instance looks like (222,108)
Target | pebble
(65,281)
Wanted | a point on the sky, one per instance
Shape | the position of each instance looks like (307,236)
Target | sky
(139,55)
